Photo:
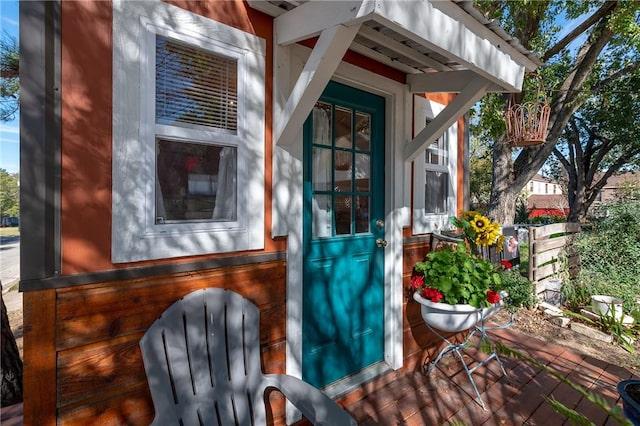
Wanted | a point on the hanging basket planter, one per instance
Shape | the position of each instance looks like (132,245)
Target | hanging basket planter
(527,123)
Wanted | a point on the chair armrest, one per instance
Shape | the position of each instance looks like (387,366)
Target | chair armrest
(314,405)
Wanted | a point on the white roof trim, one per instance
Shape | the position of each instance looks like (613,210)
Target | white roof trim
(441,46)
(474,90)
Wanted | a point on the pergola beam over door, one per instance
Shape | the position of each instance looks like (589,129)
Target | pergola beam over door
(322,63)
(472,92)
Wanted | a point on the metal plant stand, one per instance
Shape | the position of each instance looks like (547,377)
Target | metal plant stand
(478,331)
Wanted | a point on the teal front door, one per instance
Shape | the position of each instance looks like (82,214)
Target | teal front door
(343,242)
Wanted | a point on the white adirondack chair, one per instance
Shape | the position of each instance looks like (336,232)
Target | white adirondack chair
(202,359)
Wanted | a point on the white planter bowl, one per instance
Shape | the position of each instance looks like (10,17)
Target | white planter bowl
(601,305)
(453,318)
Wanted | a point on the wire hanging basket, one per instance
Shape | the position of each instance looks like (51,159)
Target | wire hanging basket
(527,122)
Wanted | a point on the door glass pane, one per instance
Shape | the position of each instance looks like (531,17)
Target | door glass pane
(322,124)
(343,128)
(362,214)
(343,171)
(321,169)
(321,226)
(343,214)
(363,172)
(363,131)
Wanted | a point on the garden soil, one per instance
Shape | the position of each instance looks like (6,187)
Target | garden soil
(532,322)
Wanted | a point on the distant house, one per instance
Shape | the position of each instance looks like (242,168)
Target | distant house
(545,198)
(614,185)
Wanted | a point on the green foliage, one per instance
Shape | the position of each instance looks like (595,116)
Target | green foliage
(588,74)
(479,174)
(624,334)
(9,194)
(522,213)
(520,289)
(459,276)
(9,71)
(609,253)
(545,220)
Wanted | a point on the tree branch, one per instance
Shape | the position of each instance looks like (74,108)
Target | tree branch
(598,14)
(616,75)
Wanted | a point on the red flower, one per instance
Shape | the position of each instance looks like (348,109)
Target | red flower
(506,264)
(493,297)
(417,282)
(432,294)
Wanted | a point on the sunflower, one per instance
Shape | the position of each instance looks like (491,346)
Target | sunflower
(480,223)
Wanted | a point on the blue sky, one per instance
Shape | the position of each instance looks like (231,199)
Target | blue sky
(10,131)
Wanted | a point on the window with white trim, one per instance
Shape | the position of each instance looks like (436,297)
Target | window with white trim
(436,169)
(434,199)
(188,143)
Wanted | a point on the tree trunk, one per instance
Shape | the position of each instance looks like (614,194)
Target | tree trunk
(502,202)
(11,385)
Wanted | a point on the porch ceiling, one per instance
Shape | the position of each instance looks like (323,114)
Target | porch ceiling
(415,37)
(442,46)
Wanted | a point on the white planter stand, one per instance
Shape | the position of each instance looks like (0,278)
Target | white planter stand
(455,318)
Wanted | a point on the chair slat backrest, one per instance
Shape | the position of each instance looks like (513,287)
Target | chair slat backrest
(202,358)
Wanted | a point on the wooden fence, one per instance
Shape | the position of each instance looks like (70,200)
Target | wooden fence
(551,254)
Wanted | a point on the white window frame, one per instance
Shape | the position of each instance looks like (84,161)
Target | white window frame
(424,223)
(135,234)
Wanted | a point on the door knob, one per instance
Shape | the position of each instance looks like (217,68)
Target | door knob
(381,243)
(380,223)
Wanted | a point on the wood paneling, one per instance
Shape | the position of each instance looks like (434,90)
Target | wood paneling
(97,328)
(39,378)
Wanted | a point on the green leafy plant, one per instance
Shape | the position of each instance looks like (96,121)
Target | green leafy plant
(520,290)
(454,275)
(609,249)
(624,334)
(459,275)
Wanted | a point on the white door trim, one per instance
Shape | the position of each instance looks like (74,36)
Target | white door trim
(288,180)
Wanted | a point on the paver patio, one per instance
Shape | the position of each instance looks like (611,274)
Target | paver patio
(409,397)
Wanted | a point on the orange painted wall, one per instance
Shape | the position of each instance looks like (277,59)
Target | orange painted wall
(86,126)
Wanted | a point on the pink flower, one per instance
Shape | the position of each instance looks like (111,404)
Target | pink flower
(506,264)
(432,294)
(493,296)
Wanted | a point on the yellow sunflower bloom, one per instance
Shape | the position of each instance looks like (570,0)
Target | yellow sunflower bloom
(480,223)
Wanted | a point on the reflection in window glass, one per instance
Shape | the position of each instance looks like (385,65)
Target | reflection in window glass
(436,192)
(343,214)
(322,123)
(343,127)
(321,169)
(321,225)
(343,171)
(363,131)
(195,182)
(362,214)
(363,172)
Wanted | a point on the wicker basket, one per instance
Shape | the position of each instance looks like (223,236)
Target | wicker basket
(527,122)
